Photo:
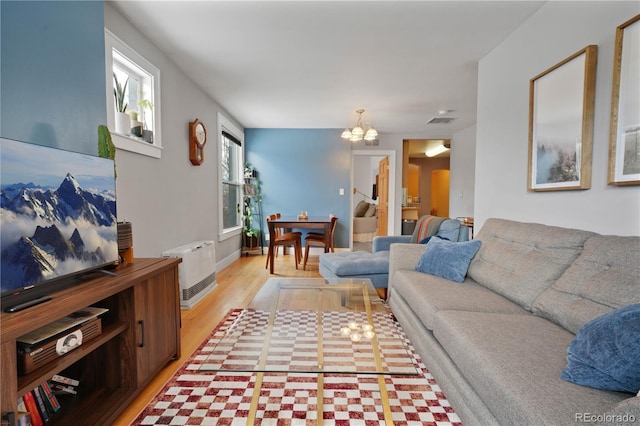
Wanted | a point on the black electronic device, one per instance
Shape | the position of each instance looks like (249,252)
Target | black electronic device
(32,356)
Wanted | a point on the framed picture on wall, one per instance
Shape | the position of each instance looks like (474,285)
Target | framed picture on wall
(624,139)
(249,190)
(561,105)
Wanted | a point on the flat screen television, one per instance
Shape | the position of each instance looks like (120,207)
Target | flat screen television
(57,220)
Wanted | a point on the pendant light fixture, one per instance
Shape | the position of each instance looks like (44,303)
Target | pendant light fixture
(358,133)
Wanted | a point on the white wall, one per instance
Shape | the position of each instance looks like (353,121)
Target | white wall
(168,201)
(555,32)
(462,166)
(365,169)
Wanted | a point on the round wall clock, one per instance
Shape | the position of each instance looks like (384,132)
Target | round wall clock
(197,139)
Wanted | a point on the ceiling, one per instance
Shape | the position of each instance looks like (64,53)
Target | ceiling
(312,64)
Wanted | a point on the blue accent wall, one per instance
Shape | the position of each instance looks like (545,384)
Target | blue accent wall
(303,169)
(52,73)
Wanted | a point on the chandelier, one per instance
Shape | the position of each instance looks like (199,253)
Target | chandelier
(358,133)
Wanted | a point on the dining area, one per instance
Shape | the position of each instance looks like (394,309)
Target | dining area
(287,231)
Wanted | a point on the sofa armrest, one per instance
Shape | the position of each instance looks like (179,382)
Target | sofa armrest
(403,256)
(384,243)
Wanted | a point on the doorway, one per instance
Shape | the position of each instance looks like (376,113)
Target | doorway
(361,167)
(423,191)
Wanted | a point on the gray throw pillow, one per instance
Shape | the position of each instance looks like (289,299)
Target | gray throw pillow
(361,209)
(371,211)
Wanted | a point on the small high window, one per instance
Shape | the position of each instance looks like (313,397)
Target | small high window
(133,99)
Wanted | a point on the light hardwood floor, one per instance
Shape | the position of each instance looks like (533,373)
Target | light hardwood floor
(237,285)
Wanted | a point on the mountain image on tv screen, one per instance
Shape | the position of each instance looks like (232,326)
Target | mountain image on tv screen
(57,213)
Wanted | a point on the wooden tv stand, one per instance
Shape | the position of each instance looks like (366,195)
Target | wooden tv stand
(140,335)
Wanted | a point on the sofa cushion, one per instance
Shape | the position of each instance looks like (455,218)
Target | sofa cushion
(427,294)
(348,263)
(361,209)
(521,260)
(605,354)
(514,363)
(606,276)
(447,259)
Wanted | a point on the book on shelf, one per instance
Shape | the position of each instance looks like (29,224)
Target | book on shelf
(21,406)
(23,419)
(63,389)
(40,404)
(22,416)
(32,409)
(50,397)
(42,408)
(65,380)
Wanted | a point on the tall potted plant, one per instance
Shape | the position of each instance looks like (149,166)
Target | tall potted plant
(123,121)
(250,234)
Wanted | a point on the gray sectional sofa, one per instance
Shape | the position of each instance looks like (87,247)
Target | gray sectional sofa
(497,342)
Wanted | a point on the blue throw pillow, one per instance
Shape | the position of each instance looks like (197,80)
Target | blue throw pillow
(449,230)
(605,353)
(426,240)
(447,259)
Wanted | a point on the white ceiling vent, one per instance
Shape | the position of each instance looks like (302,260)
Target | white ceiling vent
(441,120)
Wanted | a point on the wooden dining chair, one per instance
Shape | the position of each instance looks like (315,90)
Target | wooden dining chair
(285,239)
(316,239)
(320,235)
(290,235)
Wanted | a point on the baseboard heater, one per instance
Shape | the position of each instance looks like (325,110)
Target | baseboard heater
(197,271)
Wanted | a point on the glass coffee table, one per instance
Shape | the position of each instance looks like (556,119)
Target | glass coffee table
(313,325)
(304,338)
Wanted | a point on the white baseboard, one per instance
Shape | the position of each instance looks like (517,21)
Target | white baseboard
(228,260)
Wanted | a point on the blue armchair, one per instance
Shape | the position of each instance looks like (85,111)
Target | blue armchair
(375,265)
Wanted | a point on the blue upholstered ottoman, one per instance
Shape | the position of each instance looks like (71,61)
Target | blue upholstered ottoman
(357,264)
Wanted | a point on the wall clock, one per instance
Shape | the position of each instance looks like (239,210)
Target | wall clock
(197,139)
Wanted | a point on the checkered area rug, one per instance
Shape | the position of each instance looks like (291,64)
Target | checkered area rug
(293,343)
(196,397)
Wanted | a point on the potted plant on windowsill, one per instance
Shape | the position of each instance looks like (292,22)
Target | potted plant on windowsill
(136,126)
(147,134)
(123,121)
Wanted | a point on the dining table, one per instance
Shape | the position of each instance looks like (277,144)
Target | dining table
(296,222)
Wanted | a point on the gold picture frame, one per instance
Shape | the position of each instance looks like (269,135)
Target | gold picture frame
(624,139)
(561,108)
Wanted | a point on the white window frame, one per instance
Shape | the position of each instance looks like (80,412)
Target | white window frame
(225,124)
(125,142)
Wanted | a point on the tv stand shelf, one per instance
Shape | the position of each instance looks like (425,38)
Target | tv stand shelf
(33,379)
(140,335)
